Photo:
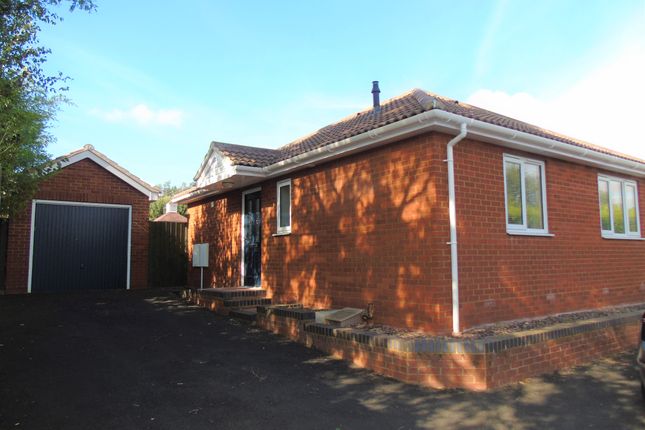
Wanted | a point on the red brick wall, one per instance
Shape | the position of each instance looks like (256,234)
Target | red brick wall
(373,227)
(515,364)
(472,371)
(506,277)
(218,223)
(83,181)
(365,230)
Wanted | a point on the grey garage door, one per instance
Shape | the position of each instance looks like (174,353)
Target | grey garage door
(77,247)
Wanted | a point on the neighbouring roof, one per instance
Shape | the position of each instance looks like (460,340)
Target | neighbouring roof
(171,217)
(395,109)
(248,155)
(88,151)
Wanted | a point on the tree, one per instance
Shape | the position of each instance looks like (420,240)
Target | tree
(167,192)
(28,98)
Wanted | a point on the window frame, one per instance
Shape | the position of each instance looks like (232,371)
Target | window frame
(624,183)
(283,229)
(523,229)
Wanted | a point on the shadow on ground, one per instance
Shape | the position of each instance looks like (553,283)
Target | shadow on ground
(132,360)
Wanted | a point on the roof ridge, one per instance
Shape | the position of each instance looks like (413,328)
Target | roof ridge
(90,148)
(237,145)
(122,169)
(412,102)
(348,117)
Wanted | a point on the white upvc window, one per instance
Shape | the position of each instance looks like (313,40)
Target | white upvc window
(525,196)
(619,216)
(283,213)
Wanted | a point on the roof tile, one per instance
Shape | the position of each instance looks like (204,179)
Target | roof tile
(396,109)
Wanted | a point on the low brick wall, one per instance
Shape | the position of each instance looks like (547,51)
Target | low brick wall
(477,364)
(211,303)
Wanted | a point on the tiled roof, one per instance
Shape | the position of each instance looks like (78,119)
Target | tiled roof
(392,110)
(124,171)
(406,105)
(248,155)
(171,217)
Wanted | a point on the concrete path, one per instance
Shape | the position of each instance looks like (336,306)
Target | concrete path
(146,360)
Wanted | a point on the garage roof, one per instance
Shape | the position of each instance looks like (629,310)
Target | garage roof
(88,151)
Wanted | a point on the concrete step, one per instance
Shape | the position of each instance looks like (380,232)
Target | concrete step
(234,293)
(245,302)
(247,314)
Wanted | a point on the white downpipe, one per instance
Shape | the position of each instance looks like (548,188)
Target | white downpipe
(452,210)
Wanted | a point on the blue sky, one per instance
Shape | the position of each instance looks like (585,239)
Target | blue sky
(155,82)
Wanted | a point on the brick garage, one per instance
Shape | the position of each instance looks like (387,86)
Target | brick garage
(87,178)
(370,224)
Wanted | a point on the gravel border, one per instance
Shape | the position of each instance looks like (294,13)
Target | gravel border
(509,327)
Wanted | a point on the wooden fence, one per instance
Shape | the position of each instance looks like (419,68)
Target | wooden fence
(167,254)
(4,235)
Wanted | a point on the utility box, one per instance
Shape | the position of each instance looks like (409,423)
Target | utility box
(200,255)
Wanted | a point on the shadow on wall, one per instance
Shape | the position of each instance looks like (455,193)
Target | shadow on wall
(365,229)
(373,228)
(506,277)
(217,222)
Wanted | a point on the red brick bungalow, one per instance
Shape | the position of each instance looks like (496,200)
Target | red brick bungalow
(442,214)
(86,228)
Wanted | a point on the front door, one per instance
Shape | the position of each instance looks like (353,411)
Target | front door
(252,223)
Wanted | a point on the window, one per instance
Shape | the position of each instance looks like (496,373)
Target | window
(618,200)
(284,207)
(525,189)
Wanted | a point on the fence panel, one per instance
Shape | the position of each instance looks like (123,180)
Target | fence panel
(4,235)
(167,255)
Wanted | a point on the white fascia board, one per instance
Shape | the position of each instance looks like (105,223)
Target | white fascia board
(152,195)
(215,158)
(552,148)
(208,158)
(373,138)
(438,120)
(441,121)
(193,197)
(250,171)
(230,173)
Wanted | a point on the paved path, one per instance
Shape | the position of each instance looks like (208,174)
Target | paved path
(146,360)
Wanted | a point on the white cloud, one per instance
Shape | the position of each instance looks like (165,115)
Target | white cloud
(482,63)
(141,114)
(604,107)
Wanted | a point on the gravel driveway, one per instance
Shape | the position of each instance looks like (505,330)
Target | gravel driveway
(146,360)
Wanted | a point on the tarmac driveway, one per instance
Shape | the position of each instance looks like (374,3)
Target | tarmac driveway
(137,360)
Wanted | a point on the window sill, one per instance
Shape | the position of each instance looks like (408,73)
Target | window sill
(283,233)
(528,233)
(616,237)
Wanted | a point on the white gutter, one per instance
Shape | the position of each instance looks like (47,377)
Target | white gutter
(446,122)
(452,211)
(432,120)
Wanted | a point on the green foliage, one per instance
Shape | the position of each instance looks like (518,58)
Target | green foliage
(28,98)
(167,192)
(21,56)
(23,139)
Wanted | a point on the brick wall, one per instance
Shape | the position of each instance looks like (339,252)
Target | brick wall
(505,277)
(373,227)
(472,371)
(365,230)
(218,223)
(86,182)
